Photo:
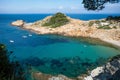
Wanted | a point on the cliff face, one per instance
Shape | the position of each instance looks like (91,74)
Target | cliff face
(109,71)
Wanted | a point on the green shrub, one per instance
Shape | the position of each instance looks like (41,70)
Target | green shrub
(57,20)
(114,27)
(104,27)
(97,22)
(91,23)
(9,70)
(115,18)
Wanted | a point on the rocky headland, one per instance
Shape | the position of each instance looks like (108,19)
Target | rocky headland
(108,31)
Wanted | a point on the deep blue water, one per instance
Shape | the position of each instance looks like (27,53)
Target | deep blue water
(56,50)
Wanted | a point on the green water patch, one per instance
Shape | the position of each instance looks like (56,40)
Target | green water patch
(94,41)
(70,67)
(53,54)
(86,40)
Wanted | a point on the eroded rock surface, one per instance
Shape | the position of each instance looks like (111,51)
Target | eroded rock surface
(109,71)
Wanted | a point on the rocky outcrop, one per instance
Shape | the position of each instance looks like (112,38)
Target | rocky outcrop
(109,71)
(74,28)
(42,76)
(18,23)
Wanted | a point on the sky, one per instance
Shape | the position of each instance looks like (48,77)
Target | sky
(51,6)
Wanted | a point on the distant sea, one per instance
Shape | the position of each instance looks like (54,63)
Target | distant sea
(53,54)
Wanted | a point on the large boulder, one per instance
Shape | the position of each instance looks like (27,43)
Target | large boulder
(18,23)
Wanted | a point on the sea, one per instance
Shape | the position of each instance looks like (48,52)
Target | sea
(53,54)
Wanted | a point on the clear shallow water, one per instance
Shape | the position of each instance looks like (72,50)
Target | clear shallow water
(53,50)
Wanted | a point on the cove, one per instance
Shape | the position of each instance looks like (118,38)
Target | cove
(52,54)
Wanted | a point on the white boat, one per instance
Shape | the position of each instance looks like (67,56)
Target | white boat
(24,36)
(11,41)
(30,35)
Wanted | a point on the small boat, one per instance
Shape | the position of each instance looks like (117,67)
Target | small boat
(30,35)
(11,41)
(24,36)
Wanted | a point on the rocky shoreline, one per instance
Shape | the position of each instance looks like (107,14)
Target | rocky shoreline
(75,28)
(109,71)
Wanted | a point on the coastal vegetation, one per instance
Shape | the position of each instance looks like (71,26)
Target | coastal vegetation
(91,23)
(76,28)
(110,22)
(115,18)
(104,27)
(57,20)
(9,69)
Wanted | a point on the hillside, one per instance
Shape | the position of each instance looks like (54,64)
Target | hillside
(56,20)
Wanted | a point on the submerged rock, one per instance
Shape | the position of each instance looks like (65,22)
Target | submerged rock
(35,61)
(41,76)
(18,23)
(50,69)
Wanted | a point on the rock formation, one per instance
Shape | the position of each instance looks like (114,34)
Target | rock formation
(41,76)
(109,71)
(74,28)
(18,23)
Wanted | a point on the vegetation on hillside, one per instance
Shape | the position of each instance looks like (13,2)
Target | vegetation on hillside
(56,20)
(9,70)
(104,27)
(114,18)
(111,22)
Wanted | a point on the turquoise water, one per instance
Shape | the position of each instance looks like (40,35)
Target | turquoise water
(53,54)
(63,47)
